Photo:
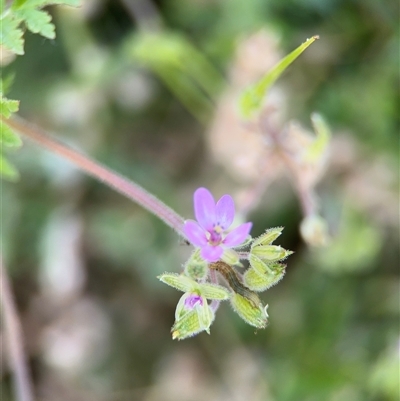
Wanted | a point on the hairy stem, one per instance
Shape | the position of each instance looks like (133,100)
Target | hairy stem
(14,340)
(116,181)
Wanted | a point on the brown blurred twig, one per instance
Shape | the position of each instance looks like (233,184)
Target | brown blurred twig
(14,339)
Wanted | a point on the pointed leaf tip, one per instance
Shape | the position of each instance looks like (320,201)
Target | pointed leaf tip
(252,99)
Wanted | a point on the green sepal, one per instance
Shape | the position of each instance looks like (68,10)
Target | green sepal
(214,291)
(257,264)
(188,326)
(179,281)
(268,237)
(270,252)
(253,97)
(196,267)
(230,257)
(191,322)
(259,282)
(254,314)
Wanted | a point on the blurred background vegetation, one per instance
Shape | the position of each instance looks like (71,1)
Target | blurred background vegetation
(84,260)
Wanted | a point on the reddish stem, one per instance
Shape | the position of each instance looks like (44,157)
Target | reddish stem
(116,181)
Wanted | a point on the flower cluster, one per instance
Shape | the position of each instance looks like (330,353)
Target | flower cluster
(215,257)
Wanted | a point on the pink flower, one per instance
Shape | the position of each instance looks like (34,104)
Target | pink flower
(209,232)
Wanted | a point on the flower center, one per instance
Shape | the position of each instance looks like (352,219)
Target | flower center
(215,235)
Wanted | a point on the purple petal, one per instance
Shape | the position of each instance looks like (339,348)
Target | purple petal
(238,235)
(194,233)
(192,300)
(211,253)
(204,208)
(225,211)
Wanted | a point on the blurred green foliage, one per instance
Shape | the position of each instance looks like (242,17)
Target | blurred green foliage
(333,332)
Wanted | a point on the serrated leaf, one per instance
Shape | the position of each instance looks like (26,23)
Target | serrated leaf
(7,170)
(252,98)
(37,21)
(7,107)
(11,37)
(8,137)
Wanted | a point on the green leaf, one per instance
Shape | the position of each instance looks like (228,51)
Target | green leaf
(7,107)
(18,3)
(8,137)
(11,37)
(182,67)
(252,98)
(7,170)
(37,21)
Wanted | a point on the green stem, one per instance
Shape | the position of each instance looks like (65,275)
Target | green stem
(116,181)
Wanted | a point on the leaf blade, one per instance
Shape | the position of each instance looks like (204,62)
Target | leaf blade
(252,98)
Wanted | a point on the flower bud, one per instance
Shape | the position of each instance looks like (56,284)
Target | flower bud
(268,237)
(254,313)
(257,264)
(314,230)
(259,282)
(192,316)
(270,252)
(196,266)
